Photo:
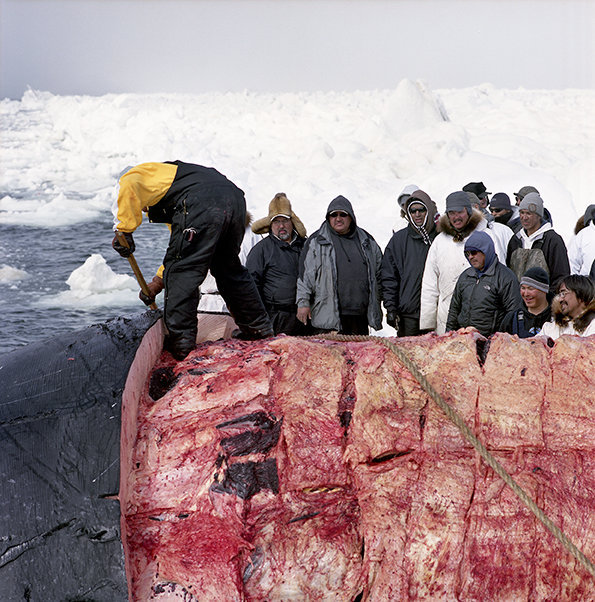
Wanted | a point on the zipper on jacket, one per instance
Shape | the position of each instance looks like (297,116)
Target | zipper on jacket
(181,240)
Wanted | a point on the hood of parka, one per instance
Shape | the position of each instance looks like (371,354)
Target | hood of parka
(445,226)
(340,203)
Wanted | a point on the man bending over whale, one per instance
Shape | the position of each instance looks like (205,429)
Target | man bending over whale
(207,214)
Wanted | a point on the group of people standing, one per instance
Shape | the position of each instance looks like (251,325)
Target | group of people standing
(484,263)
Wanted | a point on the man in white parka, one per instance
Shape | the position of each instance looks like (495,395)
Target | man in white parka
(446,260)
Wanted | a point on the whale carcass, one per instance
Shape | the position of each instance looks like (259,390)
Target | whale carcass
(307,469)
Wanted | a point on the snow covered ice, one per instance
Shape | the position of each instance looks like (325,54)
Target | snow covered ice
(61,156)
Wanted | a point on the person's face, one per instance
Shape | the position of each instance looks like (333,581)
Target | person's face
(477,259)
(281,227)
(570,305)
(418,213)
(483,201)
(497,212)
(458,219)
(529,220)
(518,200)
(501,215)
(533,297)
(340,222)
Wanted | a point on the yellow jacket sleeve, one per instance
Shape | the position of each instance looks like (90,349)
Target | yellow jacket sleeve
(140,188)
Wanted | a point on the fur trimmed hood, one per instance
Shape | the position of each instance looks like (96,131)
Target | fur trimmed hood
(280,205)
(580,323)
(445,226)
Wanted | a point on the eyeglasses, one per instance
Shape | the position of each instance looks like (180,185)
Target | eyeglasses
(338,214)
(415,211)
(471,253)
(563,293)
(492,210)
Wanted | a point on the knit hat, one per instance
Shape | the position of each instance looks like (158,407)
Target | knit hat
(477,188)
(405,194)
(537,278)
(457,201)
(532,202)
(524,191)
(501,201)
(279,206)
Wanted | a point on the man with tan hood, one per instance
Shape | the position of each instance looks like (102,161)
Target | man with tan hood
(273,263)
(403,264)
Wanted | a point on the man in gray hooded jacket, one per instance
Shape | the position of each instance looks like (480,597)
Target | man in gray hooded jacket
(338,282)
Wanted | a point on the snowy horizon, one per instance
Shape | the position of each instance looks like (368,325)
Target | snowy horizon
(61,156)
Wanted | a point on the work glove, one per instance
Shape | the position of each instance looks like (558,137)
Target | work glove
(155,287)
(124,251)
(392,319)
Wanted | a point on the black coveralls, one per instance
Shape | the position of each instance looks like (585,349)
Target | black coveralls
(207,213)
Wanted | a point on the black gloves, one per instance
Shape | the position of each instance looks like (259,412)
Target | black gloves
(392,319)
(124,251)
(155,287)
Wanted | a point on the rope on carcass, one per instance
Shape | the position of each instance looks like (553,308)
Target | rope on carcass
(457,419)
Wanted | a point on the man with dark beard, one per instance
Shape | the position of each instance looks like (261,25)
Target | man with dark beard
(403,264)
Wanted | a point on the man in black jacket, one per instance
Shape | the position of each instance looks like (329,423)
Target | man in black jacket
(273,263)
(527,320)
(403,264)
(485,292)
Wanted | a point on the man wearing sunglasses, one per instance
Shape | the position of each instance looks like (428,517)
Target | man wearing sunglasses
(339,277)
(403,264)
(485,292)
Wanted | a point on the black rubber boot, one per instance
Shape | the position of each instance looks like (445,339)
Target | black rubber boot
(179,345)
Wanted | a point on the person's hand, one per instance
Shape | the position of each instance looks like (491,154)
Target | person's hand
(392,319)
(120,248)
(155,287)
(303,314)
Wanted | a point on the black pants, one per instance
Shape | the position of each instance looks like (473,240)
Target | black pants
(408,326)
(349,325)
(207,231)
(286,322)
(354,325)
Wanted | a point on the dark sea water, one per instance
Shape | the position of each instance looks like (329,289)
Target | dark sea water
(49,255)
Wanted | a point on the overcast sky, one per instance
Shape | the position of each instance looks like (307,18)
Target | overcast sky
(188,46)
